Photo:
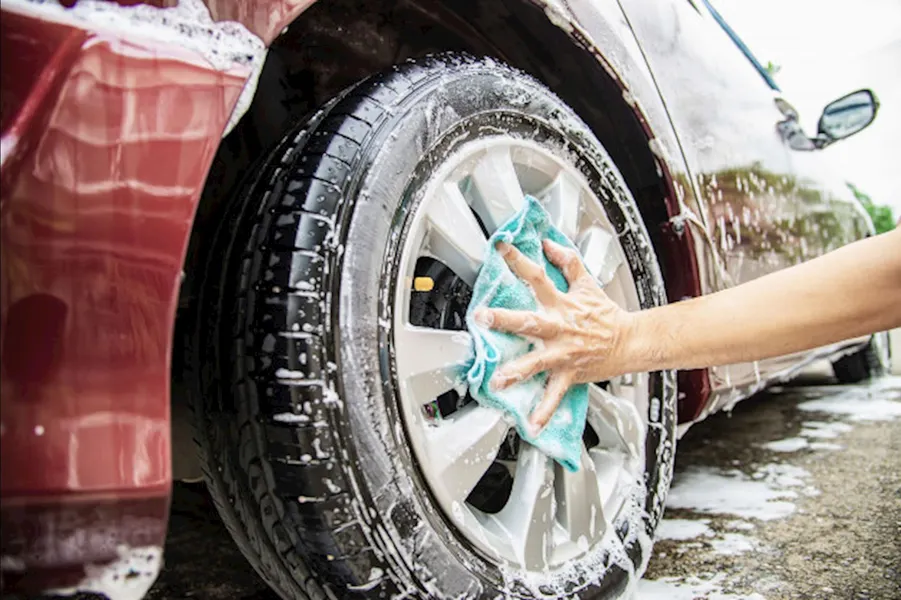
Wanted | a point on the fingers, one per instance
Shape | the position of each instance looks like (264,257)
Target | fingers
(565,259)
(528,271)
(525,367)
(557,385)
(519,322)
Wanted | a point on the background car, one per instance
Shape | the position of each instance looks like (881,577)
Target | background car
(259,221)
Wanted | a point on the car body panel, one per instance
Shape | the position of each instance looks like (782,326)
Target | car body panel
(763,207)
(107,139)
(264,18)
(726,117)
(602,28)
(833,218)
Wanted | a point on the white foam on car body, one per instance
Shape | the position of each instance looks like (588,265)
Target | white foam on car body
(224,46)
(129,577)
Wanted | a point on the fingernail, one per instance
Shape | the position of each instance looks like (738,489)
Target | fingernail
(502,247)
(484,317)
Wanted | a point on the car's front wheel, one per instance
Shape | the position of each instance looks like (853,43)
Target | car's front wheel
(341,449)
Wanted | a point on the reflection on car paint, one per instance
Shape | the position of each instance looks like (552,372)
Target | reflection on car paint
(104,159)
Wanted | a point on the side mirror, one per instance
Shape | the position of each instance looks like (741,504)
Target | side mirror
(846,116)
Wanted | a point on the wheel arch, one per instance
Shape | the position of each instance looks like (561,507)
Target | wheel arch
(330,45)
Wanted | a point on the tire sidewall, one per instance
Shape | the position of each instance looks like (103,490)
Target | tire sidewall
(418,543)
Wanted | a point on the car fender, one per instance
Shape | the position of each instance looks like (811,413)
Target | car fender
(107,136)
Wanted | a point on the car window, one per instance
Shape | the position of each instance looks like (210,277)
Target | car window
(741,45)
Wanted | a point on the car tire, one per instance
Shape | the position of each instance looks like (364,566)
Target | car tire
(870,361)
(293,389)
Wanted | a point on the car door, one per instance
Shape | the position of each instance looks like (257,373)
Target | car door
(831,218)
(734,129)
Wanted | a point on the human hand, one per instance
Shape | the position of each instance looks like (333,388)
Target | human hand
(582,330)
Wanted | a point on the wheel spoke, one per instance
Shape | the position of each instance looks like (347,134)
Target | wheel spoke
(601,252)
(562,203)
(455,235)
(615,292)
(528,516)
(430,361)
(500,194)
(579,507)
(625,387)
(608,466)
(464,445)
(610,415)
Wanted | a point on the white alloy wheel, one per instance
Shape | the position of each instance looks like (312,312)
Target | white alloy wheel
(549,516)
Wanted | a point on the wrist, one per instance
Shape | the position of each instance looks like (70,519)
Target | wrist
(638,350)
(621,356)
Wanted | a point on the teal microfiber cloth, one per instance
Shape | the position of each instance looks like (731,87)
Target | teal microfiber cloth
(497,287)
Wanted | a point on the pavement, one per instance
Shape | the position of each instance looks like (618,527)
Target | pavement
(796,494)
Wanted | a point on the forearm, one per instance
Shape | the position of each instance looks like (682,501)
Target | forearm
(851,292)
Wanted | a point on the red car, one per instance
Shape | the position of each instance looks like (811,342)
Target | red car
(262,219)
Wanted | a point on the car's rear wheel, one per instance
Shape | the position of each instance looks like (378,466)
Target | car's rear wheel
(872,360)
(342,453)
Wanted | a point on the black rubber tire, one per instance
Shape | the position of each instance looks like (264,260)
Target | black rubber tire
(868,362)
(309,466)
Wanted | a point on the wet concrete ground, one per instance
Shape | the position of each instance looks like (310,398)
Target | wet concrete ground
(796,494)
